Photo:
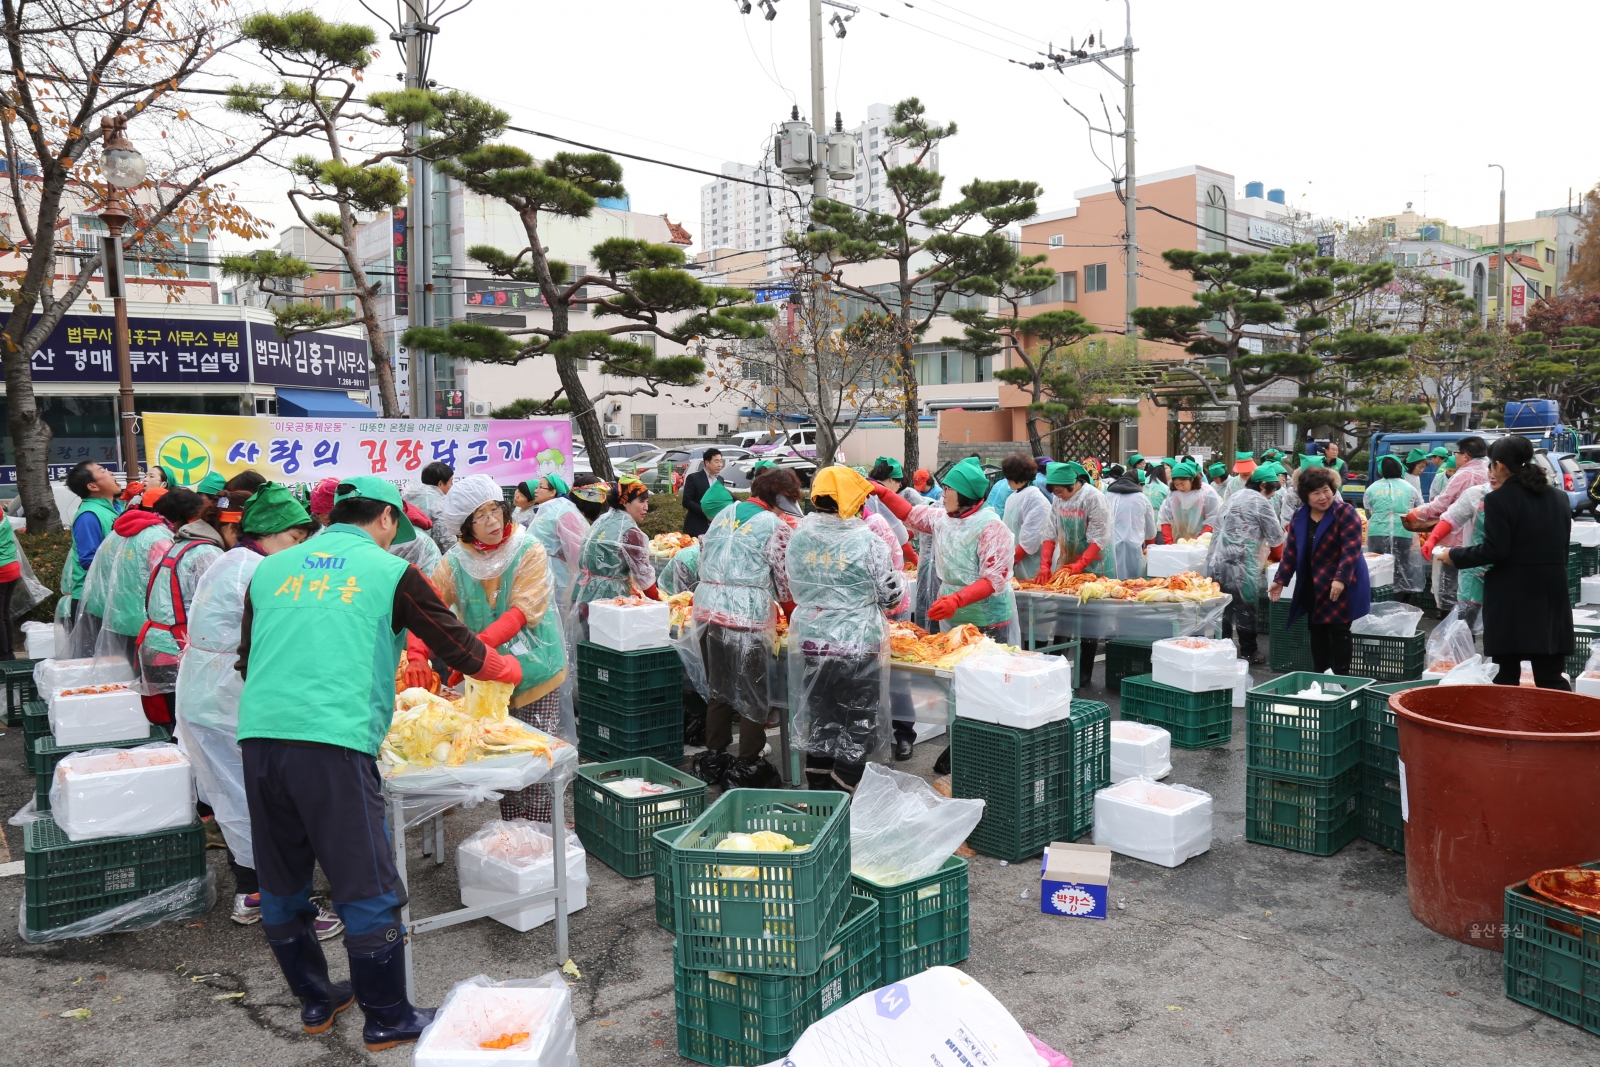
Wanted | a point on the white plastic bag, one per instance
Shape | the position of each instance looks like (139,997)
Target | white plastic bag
(940,1016)
(122,792)
(1474,670)
(479,1010)
(901,829)
(1391,619)
(1449,644)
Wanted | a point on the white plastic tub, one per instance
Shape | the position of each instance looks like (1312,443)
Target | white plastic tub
(1023,691)
(1587,684)
(89,715)
(122,792)
(1194,664)
(1150,821)
(1589,591)
(40,639)
(1242,682)
(506,860)
(628,628)
(1139,750)
(1586,534)
(534,1017)
(1380,569)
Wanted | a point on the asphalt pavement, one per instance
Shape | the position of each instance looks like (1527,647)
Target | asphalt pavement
(1244,955)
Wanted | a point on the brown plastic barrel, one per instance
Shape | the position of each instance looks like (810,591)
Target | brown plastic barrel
(1498,782)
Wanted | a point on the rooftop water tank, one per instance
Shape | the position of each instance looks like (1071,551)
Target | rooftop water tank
(1275,195)
(1254,189)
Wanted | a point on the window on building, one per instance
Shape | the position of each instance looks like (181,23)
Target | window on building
(644,427)
(1057,240)
(1064,289)
(1388,229)
(1549,255)
(1094,278)
(1216,220)
(700,429)
(1547,292)
(722,429)
(939,364)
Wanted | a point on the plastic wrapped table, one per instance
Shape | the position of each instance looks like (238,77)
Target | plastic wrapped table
(423,797)
(1055,616)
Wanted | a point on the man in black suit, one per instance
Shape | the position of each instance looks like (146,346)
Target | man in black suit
(695,523)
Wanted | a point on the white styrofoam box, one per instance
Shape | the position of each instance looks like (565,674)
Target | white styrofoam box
(122,792)
(1150,821)
(1433,676)
(629,628)
(1194,653)
(1272,572)
(1380,569)
(40,638)
(1139,750)
(479,1010)
(1163,561)
(1023,690)
(110,712)
(1242,682)
(1590,589)
(1195,681)
(54,675)
(1587,684)
(486,880)
(1586,534)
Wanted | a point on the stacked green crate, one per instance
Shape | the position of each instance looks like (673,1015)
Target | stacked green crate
(1574,572)
(629,704)
(1195,720)
(1289,647)
(1551,955)
(35,724)
(18,674)
(1588,561)
(1303,763)
(1380,766)
(616,828)
(1387,659)
(922,922)
(1090,769)
(68,882)
(1125,657)
(1025,779)
(1583,637)
(46,754)
(766,942)
(1382,593)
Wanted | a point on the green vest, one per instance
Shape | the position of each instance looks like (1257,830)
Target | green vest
(539,647)
(130,579)
(107,513)
(955,553)
(322,648)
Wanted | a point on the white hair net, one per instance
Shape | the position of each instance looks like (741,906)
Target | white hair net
(467,495)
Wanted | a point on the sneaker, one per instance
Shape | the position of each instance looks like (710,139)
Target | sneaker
(246,908)
(327,924)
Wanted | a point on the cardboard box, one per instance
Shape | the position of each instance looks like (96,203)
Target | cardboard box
(1074,880)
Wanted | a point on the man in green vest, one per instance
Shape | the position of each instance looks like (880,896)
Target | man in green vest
(98,489)
(323,627)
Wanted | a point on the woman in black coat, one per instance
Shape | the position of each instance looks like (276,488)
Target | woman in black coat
(1526,526)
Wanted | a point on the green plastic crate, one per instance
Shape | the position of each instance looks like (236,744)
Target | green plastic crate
(35,724)
(781,921)
(1195,720)
(1302,736)
(1303,814)
(1025,779)
(47,754)
(1574,573)
(1588,561)
(20,689)
(924,922)
(1552,957)
(606,734)
(1380,809)
(747,1019)
(1125,657)
(661,845)
(1582,637)
(1380,743)
(617,829)
(68,881)
(1091,764)
(645,669)
(625,696)
(1289,647)
(1387,659)
(1382,594)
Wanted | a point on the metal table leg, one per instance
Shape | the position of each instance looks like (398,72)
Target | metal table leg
(558,832)
(785,772)
(397,844)
(438,839)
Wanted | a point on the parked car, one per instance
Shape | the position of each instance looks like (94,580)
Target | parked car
(617,450)
(752,438)
(685,461)
(1568,475)
(801,442)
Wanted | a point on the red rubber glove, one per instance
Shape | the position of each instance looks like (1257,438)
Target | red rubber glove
(653,593)
(898,505)
(1276,554)
(1090,554)
(909,553)
(947,606)
(788,609)
(498,668)
(1018,556)
(1047,552)
(1435,535)
(419,675)
(1166,533)
(504,628)
(1206,530)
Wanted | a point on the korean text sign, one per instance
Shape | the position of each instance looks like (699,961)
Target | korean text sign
(307,450)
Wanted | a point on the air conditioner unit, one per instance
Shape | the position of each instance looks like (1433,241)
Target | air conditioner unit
(614,430)
(478,409)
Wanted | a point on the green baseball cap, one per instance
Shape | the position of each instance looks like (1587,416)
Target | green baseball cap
(371,487)
(1441,451)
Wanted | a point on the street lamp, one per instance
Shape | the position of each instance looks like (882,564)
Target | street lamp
(123,168)
(1500,269)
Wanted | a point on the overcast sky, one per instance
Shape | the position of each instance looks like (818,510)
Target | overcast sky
(1352,107)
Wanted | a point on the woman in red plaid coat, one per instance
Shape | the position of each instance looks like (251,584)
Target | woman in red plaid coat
(1324,554)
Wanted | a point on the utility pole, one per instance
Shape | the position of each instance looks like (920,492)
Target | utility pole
(1500,262)
(1077,57)
(819,118)
(415,36)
